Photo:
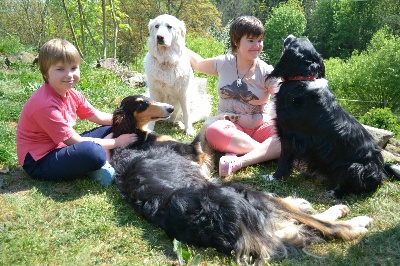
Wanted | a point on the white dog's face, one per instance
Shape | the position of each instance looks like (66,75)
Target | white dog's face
(164,30)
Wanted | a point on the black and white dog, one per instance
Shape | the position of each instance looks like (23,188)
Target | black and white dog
(163,181)
(317,135)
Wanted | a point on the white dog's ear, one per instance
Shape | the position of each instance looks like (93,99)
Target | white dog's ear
(150,26)
(182,28)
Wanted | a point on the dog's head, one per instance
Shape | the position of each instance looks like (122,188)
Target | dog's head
(299,61)
(165,30)
(135,112)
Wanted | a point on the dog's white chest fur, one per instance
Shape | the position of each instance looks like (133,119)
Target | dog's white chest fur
(172,73)
(169,73)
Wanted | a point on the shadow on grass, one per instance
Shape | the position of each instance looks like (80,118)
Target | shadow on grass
(127,217)
(16,180)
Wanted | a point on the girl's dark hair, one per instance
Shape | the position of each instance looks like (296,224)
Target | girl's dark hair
(244,25)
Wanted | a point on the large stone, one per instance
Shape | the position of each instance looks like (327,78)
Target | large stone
(390,157)
(23,57)
(381,136)
(133,78)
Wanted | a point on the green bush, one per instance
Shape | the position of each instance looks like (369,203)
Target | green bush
(288,18)
(11,45)
(369,78)
(382,118)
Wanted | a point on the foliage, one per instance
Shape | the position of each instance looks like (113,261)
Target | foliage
(231,9)
(370,77)
(206,46)
(286,19)
(382,118)
(11,45)
(339,27)
(81,22)
(222,36)
(184,256)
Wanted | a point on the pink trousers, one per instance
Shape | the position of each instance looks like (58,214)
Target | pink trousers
(220,133)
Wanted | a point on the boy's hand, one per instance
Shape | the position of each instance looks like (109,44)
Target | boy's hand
(125,139)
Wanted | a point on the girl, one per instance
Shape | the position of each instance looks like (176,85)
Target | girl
(243,96)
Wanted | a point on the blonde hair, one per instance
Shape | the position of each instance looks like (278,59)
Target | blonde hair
(244,25)
(54,51)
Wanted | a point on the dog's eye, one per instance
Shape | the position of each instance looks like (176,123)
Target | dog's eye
(142,106)
(169,27)
(156,26)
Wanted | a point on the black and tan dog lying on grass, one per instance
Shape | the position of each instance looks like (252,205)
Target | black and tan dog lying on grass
(163,181)
(317,135)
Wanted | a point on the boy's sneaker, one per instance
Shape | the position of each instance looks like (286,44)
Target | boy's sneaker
(229,164)
(104,176)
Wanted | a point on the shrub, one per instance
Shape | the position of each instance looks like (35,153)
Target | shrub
(287,18)
(382,118)
(11,45)
(371,76)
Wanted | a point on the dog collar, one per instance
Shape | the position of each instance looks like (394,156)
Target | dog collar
(302,78)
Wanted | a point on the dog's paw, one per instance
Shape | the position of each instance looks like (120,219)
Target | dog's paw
(190,131)
(232,118)
(333,213)
(180,125)
(360,221)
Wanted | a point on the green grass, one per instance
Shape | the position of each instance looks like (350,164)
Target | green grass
(80,223)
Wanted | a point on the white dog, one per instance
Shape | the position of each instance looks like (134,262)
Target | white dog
(169,73)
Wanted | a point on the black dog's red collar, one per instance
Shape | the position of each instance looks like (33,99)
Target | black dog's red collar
(302,78)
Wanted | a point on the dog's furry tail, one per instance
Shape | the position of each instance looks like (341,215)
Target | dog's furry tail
(205,154)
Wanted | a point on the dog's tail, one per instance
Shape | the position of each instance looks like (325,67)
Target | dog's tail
(393,170)
(264,227)
(205,154)
(329,229)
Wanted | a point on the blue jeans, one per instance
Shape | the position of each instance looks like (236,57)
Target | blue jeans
(70,162)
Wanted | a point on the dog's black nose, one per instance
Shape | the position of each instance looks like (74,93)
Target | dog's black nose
(160,39)
(170,109)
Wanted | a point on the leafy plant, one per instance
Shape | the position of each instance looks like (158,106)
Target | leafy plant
(382,118)
(11,45)
(288,18)
(184,257)
(370,77)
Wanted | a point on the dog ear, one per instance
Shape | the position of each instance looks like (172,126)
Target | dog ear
(182,28)
(321,70)
(117,121)
(123,122)
(286,64)
(290,38)
(150,25)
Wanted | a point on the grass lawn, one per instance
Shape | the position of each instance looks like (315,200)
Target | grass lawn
(80,223)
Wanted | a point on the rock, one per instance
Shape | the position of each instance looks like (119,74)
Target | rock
(109,63)
(23,57)
(133,78)
(381,136)
(389,157)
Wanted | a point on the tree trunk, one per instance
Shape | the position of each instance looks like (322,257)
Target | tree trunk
(72,29)
(115,29)
(104,29)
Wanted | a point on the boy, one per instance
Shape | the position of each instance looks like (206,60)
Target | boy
(48,147)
